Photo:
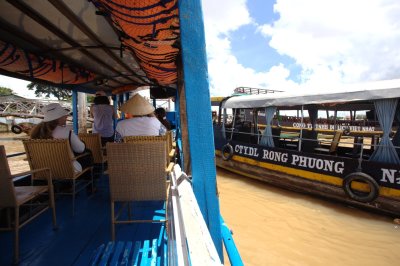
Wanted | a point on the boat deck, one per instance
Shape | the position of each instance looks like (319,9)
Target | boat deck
(78,237)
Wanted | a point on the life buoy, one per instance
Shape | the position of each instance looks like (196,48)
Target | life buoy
(346,131)
(16,129)
(358,195)
(227,149)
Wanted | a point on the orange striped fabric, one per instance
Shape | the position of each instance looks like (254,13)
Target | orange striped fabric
(151,29)
(13,59)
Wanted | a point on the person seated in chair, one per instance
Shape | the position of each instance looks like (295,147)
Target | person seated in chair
(54,126)
(161,115)
(143,121)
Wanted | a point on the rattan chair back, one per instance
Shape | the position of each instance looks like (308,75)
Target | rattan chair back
(7,193)
(150,139)
(171,146)
(55,154)
(145,138)
(93,143)
(137,170)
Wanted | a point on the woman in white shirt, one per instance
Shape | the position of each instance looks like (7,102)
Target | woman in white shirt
(54,126)
(143,121)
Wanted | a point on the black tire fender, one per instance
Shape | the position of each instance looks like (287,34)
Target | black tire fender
(227,149)
(346,131)
(16,129)
(357,195)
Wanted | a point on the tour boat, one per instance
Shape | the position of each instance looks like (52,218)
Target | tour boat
(342,143)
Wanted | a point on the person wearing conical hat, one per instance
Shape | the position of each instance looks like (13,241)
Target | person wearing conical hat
(143,121)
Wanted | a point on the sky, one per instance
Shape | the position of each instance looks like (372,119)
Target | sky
(292,45)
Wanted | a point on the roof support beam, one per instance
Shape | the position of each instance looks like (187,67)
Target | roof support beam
(6,27)
(63,8)
(56,31)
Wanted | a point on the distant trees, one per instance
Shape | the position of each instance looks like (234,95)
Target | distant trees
(48,91)
(6,91)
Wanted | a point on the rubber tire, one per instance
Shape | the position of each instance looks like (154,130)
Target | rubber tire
(361,196)
(16,129)
(346,132)
(229,151)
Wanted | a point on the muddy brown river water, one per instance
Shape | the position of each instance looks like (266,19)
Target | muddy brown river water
(273,226)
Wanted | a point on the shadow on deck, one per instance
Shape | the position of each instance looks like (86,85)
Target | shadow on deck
(78,237)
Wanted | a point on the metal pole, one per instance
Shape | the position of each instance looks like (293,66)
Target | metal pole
(75,111)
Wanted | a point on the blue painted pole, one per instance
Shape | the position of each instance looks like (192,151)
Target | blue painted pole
(231,250)
(122,100)
(198,110)
(75,111)
(115,104)
(178,131)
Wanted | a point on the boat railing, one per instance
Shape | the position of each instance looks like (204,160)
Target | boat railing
(187,230)
(250,90)
(360,150)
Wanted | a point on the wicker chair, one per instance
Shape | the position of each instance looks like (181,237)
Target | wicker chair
(167,138)
(93,143)
(57,155)
(137,172)
(171,146)
(12,197)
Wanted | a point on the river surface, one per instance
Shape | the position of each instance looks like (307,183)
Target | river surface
(272,226)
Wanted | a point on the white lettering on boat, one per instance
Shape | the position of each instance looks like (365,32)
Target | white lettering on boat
(389,176)
(275,156)
(245,150)
(334,127)
(329,166)
(320,164)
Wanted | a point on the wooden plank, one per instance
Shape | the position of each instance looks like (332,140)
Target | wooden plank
(153,252)
(145,253)
(117,253)
(107,253)
(98,254)
(127,252)
(135,255)
(201,247)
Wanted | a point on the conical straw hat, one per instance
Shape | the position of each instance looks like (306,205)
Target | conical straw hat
(137,105)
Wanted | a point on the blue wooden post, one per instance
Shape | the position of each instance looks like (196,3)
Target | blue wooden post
(75,111)
(121,101)
(115,104)
(198,110)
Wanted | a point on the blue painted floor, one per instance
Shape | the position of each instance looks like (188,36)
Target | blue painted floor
(77,238)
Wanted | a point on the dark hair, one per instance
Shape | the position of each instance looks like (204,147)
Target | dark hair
(44,130)
(160,112)
(101,100)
